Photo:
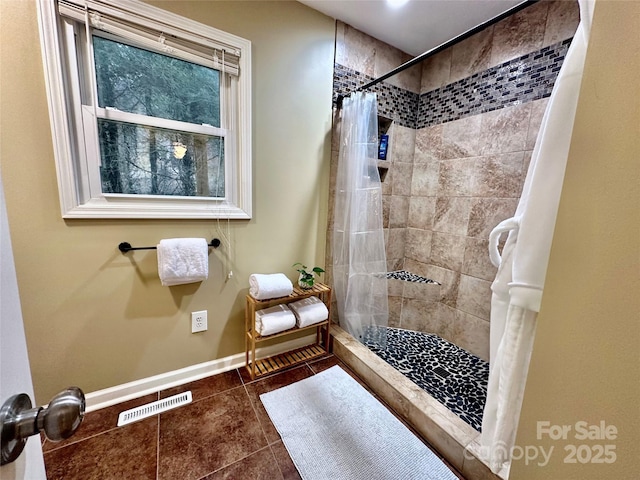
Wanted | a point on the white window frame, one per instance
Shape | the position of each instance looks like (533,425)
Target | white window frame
(76,176)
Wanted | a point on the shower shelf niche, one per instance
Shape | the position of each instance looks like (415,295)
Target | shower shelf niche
(264,366)
(384,128)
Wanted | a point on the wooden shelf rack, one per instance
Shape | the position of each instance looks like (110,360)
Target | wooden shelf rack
(259,367)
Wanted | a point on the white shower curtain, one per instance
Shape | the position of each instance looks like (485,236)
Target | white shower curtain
(517,289)
(359,259)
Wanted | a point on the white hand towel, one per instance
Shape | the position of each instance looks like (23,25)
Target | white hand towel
(183,260)
(274,320)
(309,311)
(266,286)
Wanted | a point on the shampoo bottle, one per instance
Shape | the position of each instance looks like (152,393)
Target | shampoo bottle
(382,148)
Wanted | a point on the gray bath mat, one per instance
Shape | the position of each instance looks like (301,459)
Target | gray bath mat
(334,429)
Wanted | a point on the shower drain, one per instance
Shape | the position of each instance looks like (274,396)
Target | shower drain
(441,372)
(153,408)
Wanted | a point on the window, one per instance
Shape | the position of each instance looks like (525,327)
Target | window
(150,112)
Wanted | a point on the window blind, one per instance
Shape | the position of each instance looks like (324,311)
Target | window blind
(152,33)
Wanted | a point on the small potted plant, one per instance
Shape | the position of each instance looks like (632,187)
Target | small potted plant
(307,278)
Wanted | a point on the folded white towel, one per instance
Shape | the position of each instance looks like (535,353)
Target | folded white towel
(274,320)
(309,311)
(265,286)
(183,260)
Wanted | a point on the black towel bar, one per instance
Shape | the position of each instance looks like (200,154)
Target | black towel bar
(125,247)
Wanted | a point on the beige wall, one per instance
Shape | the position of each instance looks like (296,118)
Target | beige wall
(585,363)
(95,318)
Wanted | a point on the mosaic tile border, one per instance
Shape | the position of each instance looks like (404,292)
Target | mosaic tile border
(395,103)
(524,79)
(450,374)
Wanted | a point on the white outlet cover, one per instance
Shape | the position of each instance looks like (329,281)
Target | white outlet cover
(198,321)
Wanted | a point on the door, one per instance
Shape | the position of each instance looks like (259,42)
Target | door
(15,375)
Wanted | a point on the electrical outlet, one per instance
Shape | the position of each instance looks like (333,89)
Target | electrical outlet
(198,321)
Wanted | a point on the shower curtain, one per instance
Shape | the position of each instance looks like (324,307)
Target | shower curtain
(517,289)
(359,259)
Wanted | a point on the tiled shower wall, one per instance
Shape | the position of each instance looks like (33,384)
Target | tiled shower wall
(458,159)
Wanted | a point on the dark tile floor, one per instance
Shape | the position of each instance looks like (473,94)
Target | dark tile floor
(225,433)
(456,378)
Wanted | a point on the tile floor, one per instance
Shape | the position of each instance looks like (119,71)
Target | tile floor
(456,378)
(225,433)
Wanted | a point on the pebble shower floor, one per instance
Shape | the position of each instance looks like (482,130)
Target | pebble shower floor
(450,374)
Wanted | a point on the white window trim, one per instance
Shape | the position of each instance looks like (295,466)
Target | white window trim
(238,185)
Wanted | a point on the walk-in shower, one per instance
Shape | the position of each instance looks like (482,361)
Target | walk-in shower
(462,124)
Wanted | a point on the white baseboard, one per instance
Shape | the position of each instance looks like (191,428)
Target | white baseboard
(127,391)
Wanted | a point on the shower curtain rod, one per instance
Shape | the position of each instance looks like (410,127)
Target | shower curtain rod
(439,48)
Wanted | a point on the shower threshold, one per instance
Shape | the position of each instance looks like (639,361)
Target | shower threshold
(456,440)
